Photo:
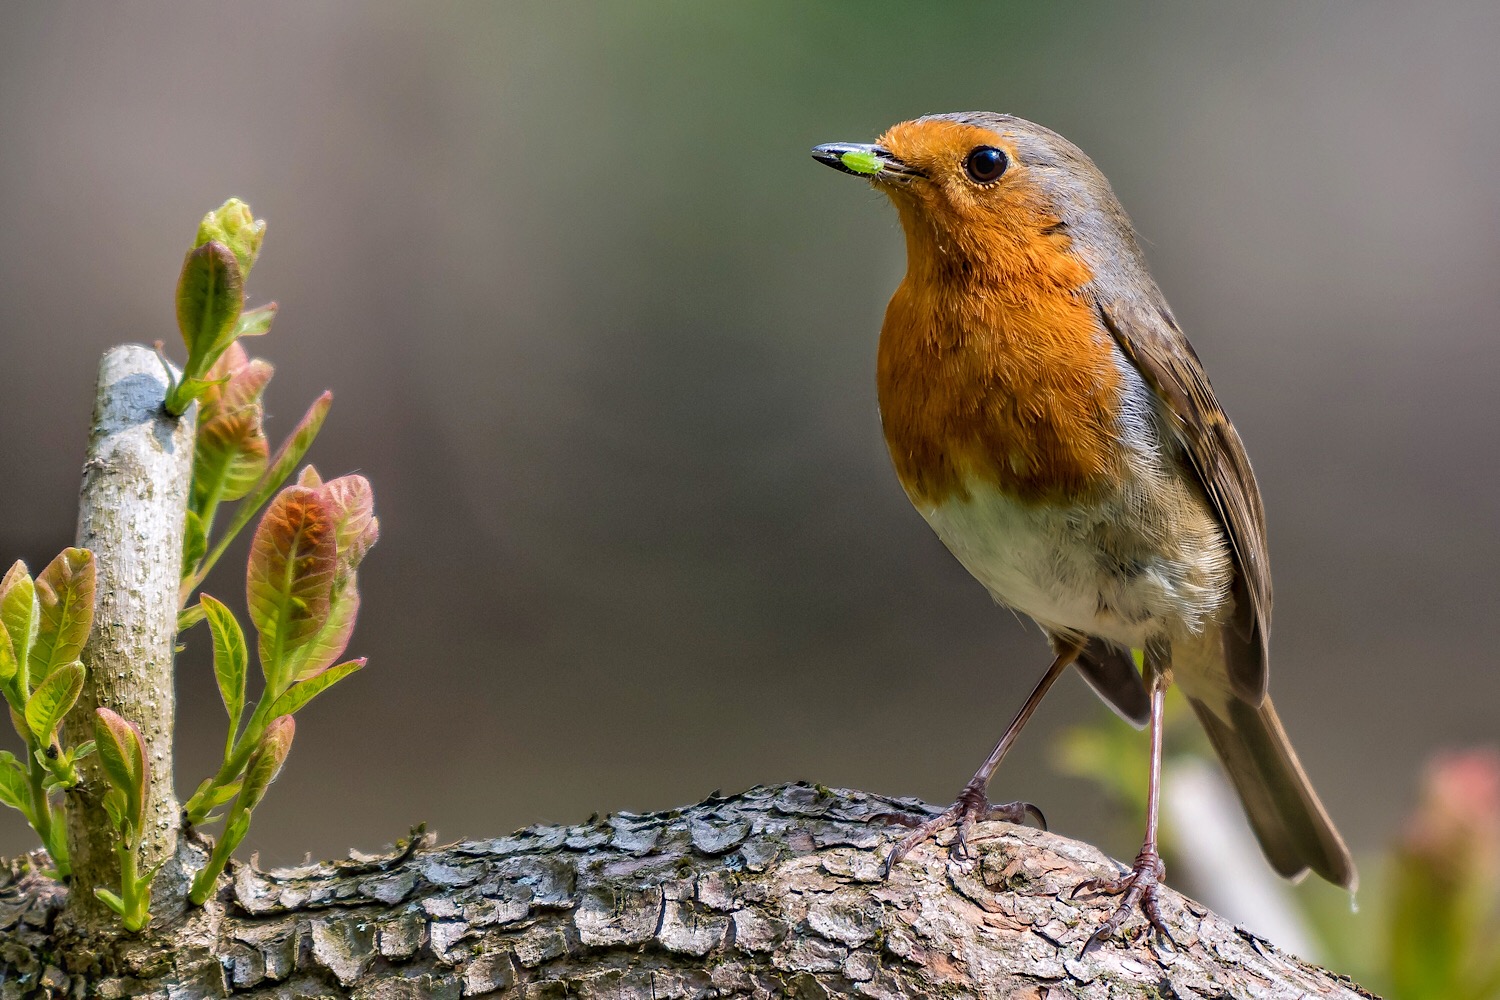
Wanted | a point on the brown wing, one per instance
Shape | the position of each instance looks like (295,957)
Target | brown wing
(1151,339)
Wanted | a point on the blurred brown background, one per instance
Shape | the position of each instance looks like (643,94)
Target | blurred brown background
(603,337)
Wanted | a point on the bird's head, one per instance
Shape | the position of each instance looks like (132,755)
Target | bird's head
(991,195)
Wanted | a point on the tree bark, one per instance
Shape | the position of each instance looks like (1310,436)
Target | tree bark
(775,892)
(131,509)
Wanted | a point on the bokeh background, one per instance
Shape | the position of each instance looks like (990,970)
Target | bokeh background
(603,337)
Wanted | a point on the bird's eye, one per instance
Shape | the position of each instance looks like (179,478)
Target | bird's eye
(985,164)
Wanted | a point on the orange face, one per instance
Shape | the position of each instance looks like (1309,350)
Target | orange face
(968,199)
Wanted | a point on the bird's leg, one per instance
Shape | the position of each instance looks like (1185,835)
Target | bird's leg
(1139,887)
(973,802)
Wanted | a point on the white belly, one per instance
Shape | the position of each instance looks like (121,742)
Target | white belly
(1101,571)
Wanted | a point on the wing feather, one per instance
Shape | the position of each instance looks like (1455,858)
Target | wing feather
(1153,342)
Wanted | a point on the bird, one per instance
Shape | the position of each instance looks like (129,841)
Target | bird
(1049,419)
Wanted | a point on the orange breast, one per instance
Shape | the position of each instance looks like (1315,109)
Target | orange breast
(1006,381)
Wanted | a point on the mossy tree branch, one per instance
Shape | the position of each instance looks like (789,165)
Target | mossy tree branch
(776,892)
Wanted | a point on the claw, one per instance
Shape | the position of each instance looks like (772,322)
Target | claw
(972,806)
(1139,887)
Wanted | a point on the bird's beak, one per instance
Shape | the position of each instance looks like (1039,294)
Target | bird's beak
(864,160)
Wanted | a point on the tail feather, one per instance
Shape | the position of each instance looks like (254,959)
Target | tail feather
(1288,819)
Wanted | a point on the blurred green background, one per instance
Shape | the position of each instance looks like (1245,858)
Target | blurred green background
(603,337)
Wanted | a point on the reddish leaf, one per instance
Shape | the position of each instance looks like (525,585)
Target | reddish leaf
(353,505)
(65,598)
(293,557)
(233,359)
(247,383)
(122,754)
(324,649)
(236,380)
(309,477)
(231,455)
(232,452)
(265,763)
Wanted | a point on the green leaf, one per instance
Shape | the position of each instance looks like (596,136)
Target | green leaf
(116,808)
(265,764)
(188,617)
(324,649)
(234,833)
(301,693)
(295,446)
(52,699)
(231,657)
(122,755)
(210,296)
(8,663)
(256,322)
(290,578)
(15,789)
(194,542)
(189,389)
(65,600)
(110,899)
(18,612)
(215,796)
(235,226)
(18,722)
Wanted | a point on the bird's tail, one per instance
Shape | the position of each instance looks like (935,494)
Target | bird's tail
(1288,819)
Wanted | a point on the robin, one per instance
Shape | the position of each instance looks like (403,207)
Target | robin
(1049,419)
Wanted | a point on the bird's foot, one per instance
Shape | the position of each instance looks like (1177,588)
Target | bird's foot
(1139,888)
(973,806)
